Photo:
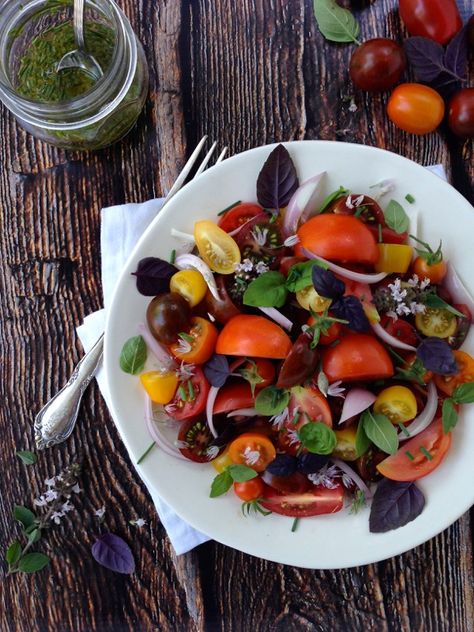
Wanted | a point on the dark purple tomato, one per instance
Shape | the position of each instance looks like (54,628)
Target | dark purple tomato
(300,363)
(461,113)
(377,64)
(168,315)
(224,309)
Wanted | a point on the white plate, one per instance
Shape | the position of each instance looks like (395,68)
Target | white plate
(333,541)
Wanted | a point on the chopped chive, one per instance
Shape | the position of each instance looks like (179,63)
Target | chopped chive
(182,393)
(227,208)
(404,430)
(294,525)
(186,337)
(173,256)
(409,198)
(426,453)
(410,455)
(192,394)
(296,417)
(380,233)
(273,218)
(146,453)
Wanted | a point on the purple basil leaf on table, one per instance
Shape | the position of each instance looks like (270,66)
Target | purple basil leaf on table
(437,356)
(277,180)
(455,57)
(153,276)
(217,370)
(426,57)
(113,553)
(350,308)
(326,283)
(394,505)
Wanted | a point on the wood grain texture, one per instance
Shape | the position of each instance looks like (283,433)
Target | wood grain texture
(246,73)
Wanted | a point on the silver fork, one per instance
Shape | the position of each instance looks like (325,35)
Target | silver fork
(56,420)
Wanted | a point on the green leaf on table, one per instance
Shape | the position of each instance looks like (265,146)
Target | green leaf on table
(464,393)
(449,415)
(396,218)
(133,355)
(380,430)
(33,532)
(32,562)
(24,515)
(362,442)
(271,401)
(318,438)
(267,290)
(13,553)
(334,22)
(28,458)
(241,473)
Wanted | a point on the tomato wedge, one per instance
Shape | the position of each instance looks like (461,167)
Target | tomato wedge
(254,336)
(197,345)
(411,462)
(357,357)
(320,500)
(232,397)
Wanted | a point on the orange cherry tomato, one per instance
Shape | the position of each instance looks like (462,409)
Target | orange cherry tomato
(447,383)
(434,272)
(250,490)
(342,238)
(410,462)
(254,336)
(357,357)
(252,449)
(198,344)
(415,108)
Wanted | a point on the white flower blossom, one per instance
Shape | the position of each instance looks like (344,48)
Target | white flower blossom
(413,281)
(349,203)
(50,482)
(398,294)
(293,436)
(403,310)
(181,445)
(76,489)
(335,390)
(261,267)
(251,456)
(291,241)
(40,502)
(51,494)
(417,308)
(353,106)
(245,266)
(186,371)
(66,507)
(139,522)
(325,476)
(100,512)
(56,516)
(212,451)
(184,346)
(393,315)
(358,201)
(277,421)
(260,235)
(424,284)
(346,480)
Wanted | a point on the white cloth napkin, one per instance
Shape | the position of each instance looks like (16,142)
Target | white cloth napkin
(121,228)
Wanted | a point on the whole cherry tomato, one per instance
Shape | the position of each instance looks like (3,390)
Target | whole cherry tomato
(377,64)
(415,108)
(435,272)
(461,113)
(250,490)
(438,20)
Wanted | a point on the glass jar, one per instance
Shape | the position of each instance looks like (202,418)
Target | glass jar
(70,111)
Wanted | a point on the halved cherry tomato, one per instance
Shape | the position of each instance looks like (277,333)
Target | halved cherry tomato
(435,272)
(415,108)
(160,385)
(437,322)
(438,20)
(252,449)
(295,483)
(224,308)
(190,285)
(201,339)
(195,438)
(394,258)
(362,206)
(216,247)
(238,215)
(196,397)
(222,461)
(320,500)
(447,383)
(250,490)
(401,329)
(357,357)
(410,463)
(346,444)
(398,403)
(232,397)
(300,363)
(254,336)
(342,238)
(309,299)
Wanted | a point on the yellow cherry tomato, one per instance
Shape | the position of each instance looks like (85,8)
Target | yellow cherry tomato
(161,386)
(216,247)
(190,284)
(436,322)
(309,299)
(346,444)
(394,258)
(222,461)
(396,402)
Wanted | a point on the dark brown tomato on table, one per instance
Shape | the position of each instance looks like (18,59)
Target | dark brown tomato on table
(377,64)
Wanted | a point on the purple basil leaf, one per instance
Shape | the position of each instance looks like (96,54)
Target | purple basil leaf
(277,181)
(282,465)
(437,356)
(113,553)
(395,504)
(326,283)
(446,85)
(455,57)
(217,370)
(153,276)
(350,308)
(426,57)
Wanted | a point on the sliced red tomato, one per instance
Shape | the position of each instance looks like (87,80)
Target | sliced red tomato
(196,397)
(320,500)
(239,215)
(295,483)
(367,209)
(197,345)
(342,238)
(357,357)
(300,364)
(250,490)
(232,397)
(195,438)
(411,462)
(388,235)
(254,336)
(401,329)
(447,383)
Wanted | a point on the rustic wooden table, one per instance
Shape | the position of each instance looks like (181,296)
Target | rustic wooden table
(246,73)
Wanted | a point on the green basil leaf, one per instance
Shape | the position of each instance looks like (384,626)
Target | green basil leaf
(396,217)
(32,562)
(221,484)
(449,415)
(24,515)
(34,535)
(334,22)
(271,401)
(436,302)
(318,438)
(300,275)
(133,355)
(267,290)
(241,473)
(380,430)
(28,458)
(13,553)
(332,197)
(362,442)
(464,393)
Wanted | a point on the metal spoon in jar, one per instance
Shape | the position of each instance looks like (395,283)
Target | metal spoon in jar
(80,58)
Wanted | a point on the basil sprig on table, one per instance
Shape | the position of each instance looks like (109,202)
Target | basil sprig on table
(335,23)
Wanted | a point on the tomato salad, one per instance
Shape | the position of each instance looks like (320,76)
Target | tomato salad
(308,348)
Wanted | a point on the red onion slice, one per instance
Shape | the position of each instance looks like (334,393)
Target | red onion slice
(347,274)
(456,288)
(353,476)
(243,412)
(160,352)
(186,262)
(357,400)
(304,201)
(389,339)
(160,440)
(424,419)
(277,316)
